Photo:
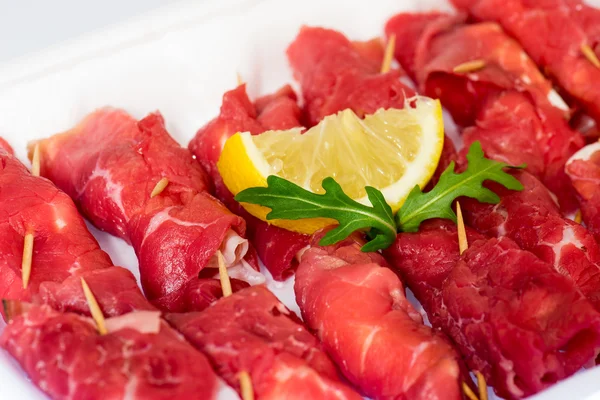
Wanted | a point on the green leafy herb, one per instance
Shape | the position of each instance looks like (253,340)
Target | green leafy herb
(289,201)
(437,203)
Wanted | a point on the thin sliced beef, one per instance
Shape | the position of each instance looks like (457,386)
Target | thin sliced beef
(140,357)
(584,170)
(430,45)
(357,307)
(64,250)
(335,75)
(110,163)
(532,219)
(513,316)
(61,352)
(506,104)
(252,331)
(552,33)
(276,247)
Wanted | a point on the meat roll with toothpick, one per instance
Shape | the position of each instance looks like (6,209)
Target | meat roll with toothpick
(49,336)
(131,179)
(491,87)
(357,307)
(62,249)
(532,219)
(561,36)
(584,171)
(334,74)
(275,246)
(515,318)
(251,331)
(140,357)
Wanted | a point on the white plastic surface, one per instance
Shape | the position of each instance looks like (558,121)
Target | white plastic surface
(180,59)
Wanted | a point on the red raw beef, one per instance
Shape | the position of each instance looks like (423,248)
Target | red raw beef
(252,331)
(524,135)
(335,75)
(508,128)
(110,163)
(64,250)
(275,246)
(429,46)
(61,352)
(514,318)
(589,20)
(357,307)
(67,359)
(5,146)
(505,104)
(532,219)
(206,291)
(552,33)
(584,171)
(338,75)
(371,50)
(409,28)
(35,203)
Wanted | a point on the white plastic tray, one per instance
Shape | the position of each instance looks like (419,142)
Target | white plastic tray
(180,59)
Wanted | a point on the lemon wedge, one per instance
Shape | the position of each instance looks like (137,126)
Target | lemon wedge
(392,150)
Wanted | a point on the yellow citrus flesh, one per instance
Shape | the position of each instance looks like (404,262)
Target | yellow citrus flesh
(392,150)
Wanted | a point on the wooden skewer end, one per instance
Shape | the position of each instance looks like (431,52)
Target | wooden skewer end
(468,392)
(469,66)
(27,259)
(578,217)
(589,53)
(223,275)
(463,244)
(481,385)
(94,308)
(160,186)
(35,161)
(386,65)
(246,385)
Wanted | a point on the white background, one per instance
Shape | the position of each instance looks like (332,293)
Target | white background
(27,26)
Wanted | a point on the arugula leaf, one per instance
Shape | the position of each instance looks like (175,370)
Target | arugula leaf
(290,201)
(437,203)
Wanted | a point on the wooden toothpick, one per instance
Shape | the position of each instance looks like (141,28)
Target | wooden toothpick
(35,161)
(246,386)
(94,308)
(468,392)
(463,244)
(588,52)
(245,381)
(469,66)
(223,275)
(389,54)
(578,217)
(160,186)
(27,259)
(481,385)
